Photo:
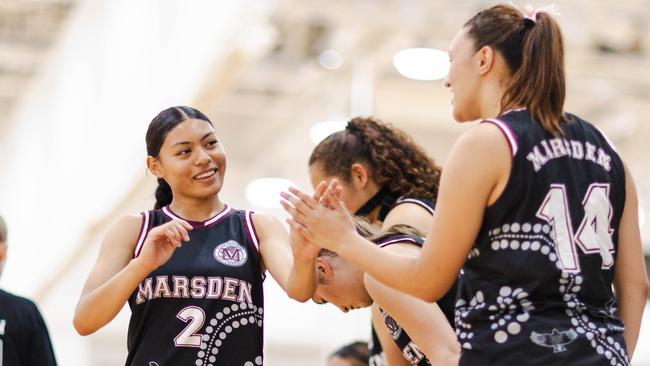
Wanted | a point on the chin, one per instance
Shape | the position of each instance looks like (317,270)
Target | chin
(211,191)
(461,116)
(458,117)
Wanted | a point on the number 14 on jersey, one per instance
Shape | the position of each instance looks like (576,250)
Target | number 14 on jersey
(594,234)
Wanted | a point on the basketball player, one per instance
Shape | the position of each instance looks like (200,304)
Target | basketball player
(419,330)
(544,226)
(24,339)
(388,179)
(192,268)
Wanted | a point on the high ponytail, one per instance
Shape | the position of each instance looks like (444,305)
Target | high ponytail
(158,129)
(534,53)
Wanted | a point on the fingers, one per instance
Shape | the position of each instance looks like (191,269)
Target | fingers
(172,236)
(333,200)
(175,232)
(183,227)
(338,190)
(295,227)
(291,210)
(296,206)
(308,201)
(320,190)
(184,223)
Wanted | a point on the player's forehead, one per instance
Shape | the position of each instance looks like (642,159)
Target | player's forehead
(462,42)
(190,130)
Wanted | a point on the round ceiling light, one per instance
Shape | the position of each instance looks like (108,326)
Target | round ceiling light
(265,192)
(321,130)
(422,63)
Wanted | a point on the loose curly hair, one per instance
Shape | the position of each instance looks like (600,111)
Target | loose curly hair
(393,158)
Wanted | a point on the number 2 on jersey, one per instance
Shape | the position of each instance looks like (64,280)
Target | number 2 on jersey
(594,234)
(188,337)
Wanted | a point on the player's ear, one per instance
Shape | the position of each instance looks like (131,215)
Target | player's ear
(359,175)
(325,270)
(155,167)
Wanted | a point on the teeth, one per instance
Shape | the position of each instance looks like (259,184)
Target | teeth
(206,174)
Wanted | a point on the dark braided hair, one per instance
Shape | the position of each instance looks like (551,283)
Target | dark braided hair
(158,129)
(392,157)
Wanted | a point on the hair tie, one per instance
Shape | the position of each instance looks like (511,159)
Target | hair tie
(531,13)
(352,127)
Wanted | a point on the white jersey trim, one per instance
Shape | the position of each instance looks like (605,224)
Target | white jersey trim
(219,216)
(415,201)
(398,240)
(143,233)
(209,222)
(507,132)
(251,230)
(169,213)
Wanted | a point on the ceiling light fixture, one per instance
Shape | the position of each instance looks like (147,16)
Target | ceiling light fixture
(330,59)
(265,192)
(321,130)
(422,63)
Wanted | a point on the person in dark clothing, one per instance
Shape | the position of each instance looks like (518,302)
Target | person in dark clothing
(24,339)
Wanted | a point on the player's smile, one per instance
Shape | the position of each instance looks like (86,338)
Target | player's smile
(207,175)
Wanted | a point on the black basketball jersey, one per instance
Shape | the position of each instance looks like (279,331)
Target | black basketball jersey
(537,286)
(205,305)
(409,349)
(446,303)
(24,339)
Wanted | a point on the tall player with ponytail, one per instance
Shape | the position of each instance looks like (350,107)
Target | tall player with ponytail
(192,268)
(535,207)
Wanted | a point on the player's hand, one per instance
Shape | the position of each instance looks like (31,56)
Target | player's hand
(161,243)
(326,224)
(302,249)
(322,187)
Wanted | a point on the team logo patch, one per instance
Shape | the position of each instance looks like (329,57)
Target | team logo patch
(556,339)
(231,253)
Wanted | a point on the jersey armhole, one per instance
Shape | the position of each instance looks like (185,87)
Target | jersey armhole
(144,230)
(507,132)
(609,142)
(404,240)
(251,232)
(253,238)
(414,201)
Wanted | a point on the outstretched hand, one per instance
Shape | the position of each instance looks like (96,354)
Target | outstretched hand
(302,249)
(323,219)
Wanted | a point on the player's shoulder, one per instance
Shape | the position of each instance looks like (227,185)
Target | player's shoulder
(128,224)
(17,302)
(125,232)
(263,219)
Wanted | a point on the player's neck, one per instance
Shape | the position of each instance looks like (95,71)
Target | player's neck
(196,209)
(490,99)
